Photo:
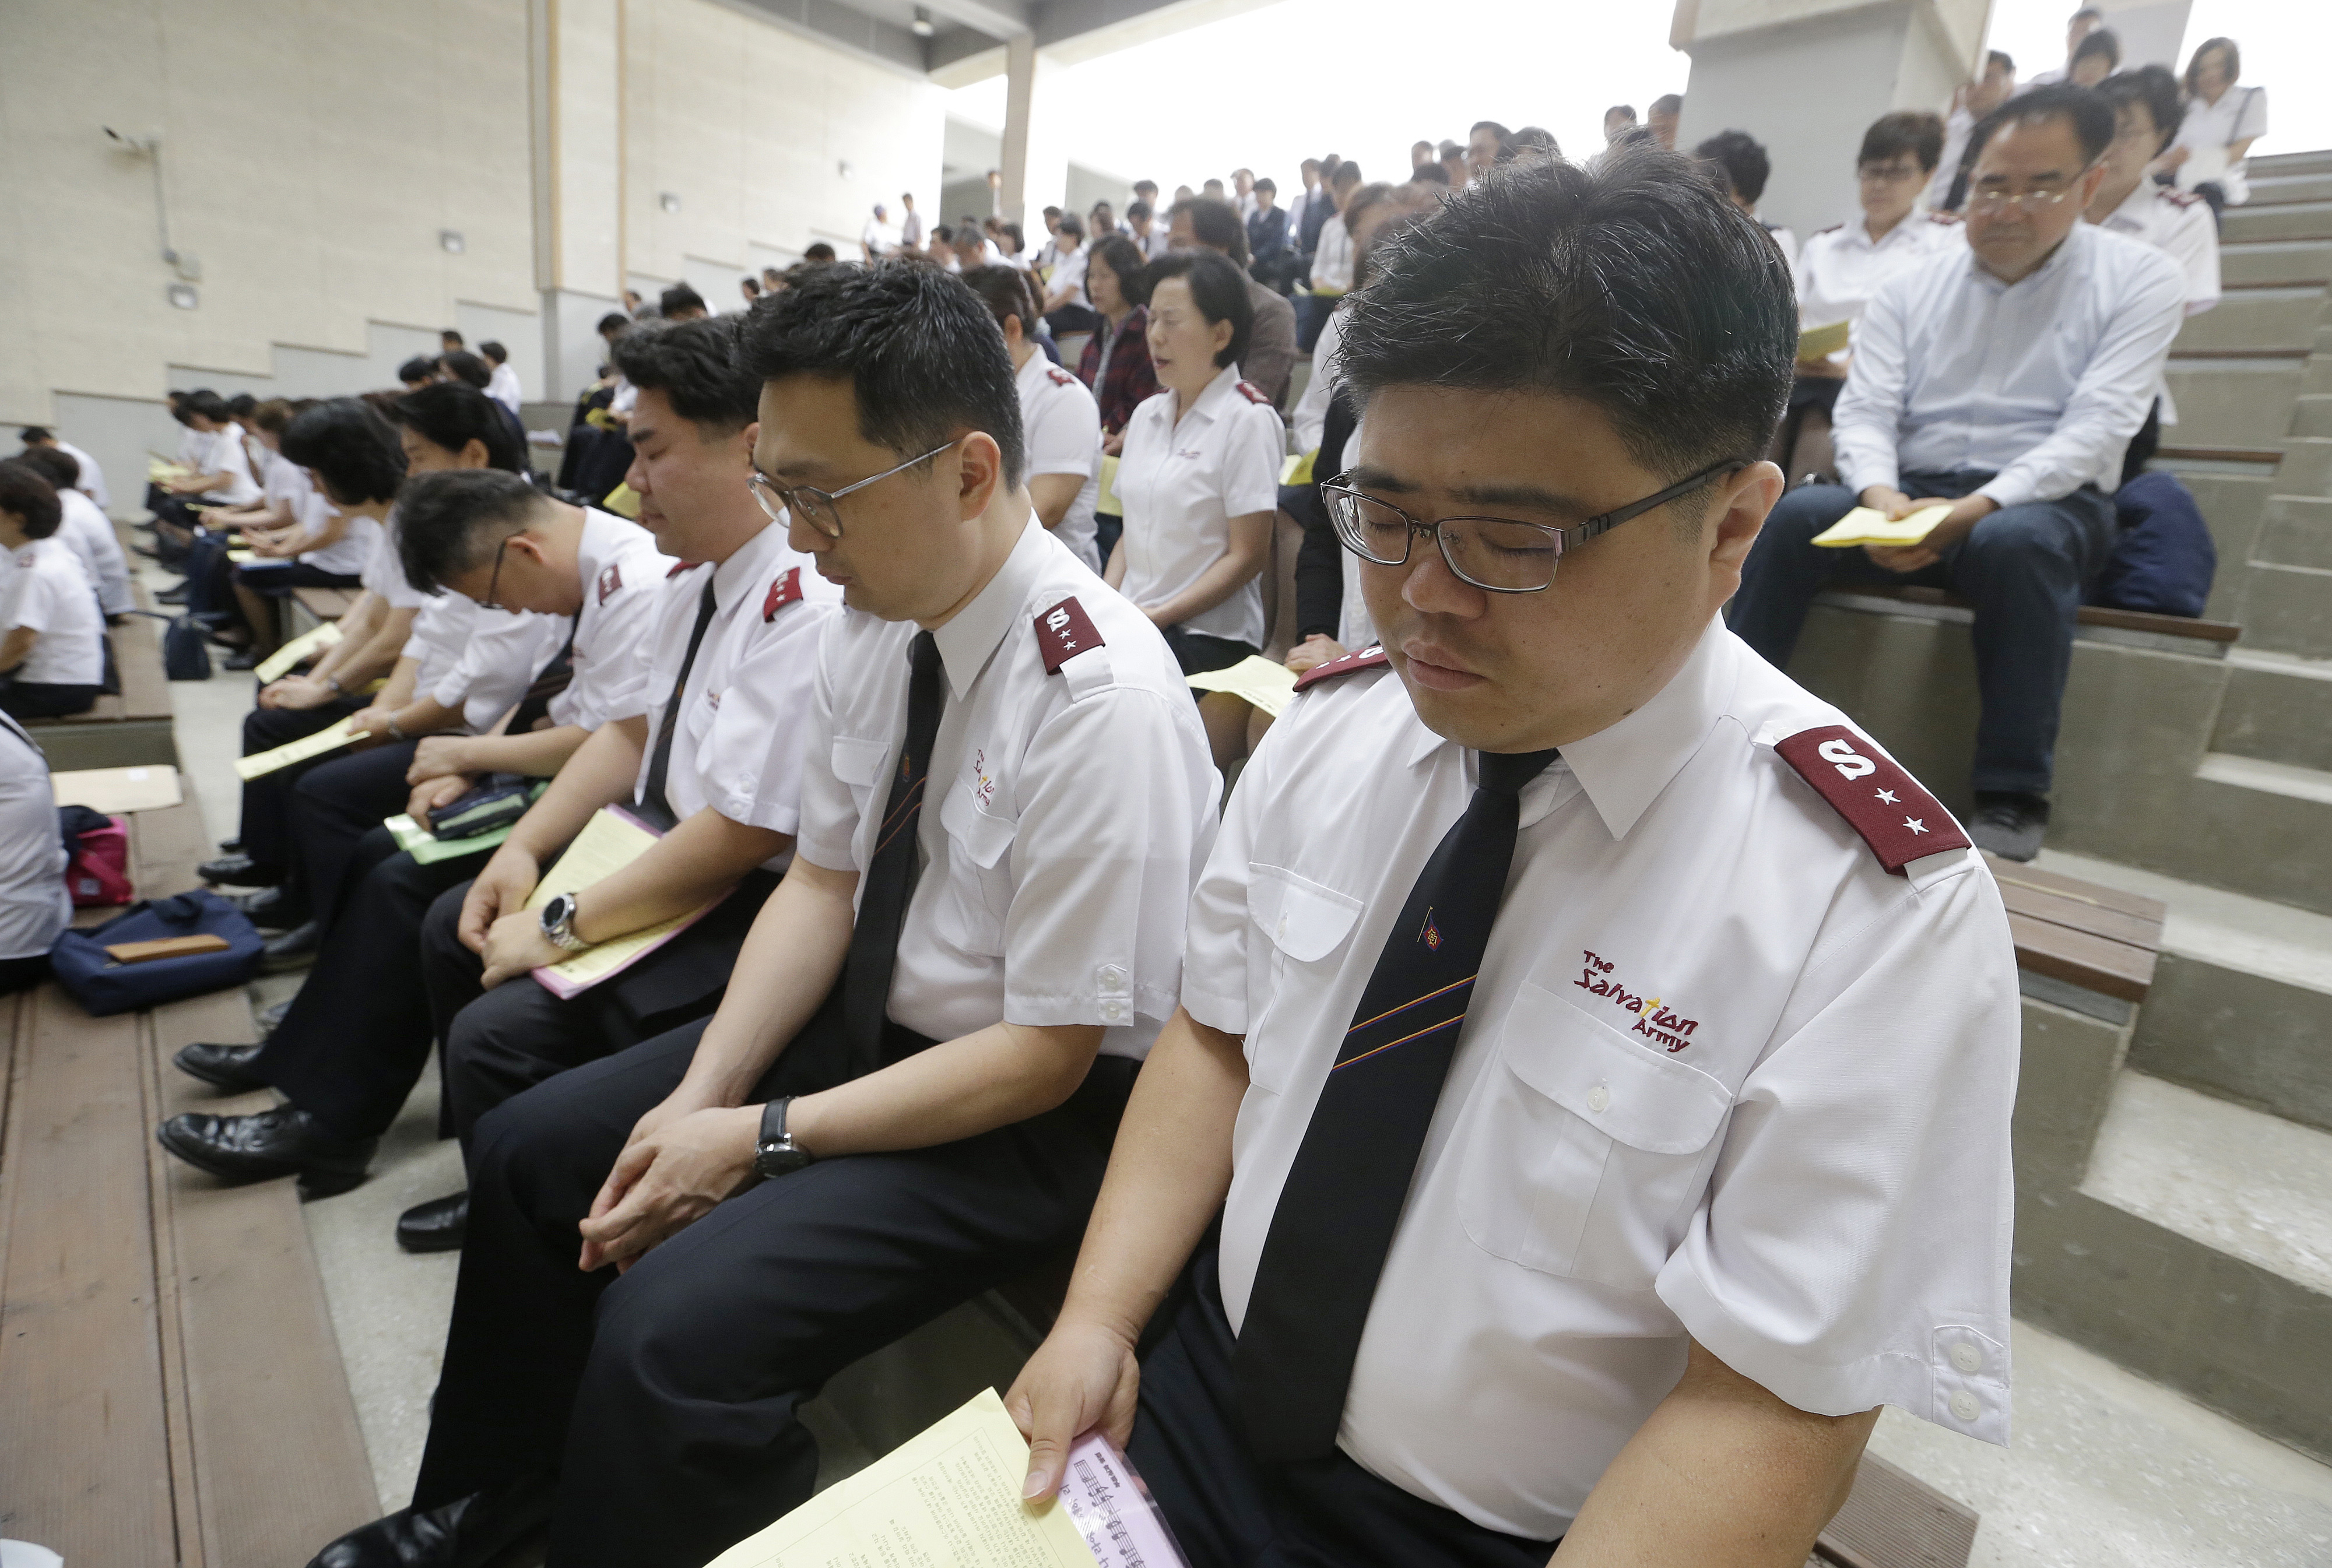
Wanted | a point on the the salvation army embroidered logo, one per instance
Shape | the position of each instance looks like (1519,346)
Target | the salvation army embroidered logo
(610,579)
(1430,935)
(1661,1025)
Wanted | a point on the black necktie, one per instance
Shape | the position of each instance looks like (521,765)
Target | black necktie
(651,803)
(891,878)
(1344,1195)
(555,677)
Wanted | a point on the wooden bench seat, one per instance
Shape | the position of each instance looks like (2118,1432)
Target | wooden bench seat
(2100,615)
(326,604)
(2100,939)
(129,730)
(170,1388)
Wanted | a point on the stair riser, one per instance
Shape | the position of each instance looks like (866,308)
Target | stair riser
(2276,262)
(2297,531)
(2275,718)
(2233,505)
(2288,612)
(2275,190)
(2242,402)
(2312,415)
(2306,465)
(2255,319)
(2274,165)
(2238,1035)
(2299,221)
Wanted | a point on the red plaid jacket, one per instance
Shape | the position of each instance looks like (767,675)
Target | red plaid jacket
(1131,376)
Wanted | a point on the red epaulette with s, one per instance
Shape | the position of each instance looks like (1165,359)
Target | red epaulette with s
(1253,393)
(785,590)
(2177,198)
(1831,230)
(1897,817)
(1063,633)
(1366,659)
(679,567)
(1060,377)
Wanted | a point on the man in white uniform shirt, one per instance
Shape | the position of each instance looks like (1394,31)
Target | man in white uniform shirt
(355,1039)
(86,532)
(2079,26)
(929,1035)
(2007,380)
(1552,1204)
(92,477)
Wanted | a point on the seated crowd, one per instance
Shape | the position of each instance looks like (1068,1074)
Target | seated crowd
(869,610)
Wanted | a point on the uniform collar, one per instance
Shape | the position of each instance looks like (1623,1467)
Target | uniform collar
(971,635)
(2135,210)
(735,577)
(1218,394)
(1624,766)
(1035,373)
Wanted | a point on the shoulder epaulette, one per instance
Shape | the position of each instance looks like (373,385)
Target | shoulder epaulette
(1831,230)
(1060,377)
(1897,817)
(679,567)
(1253,393)
(785,588)
(611,579)
(1063,633)
(1366,659)
(2176,198)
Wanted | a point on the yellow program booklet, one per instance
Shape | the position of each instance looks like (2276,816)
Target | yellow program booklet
(610,841)
(279,664)
(300,751)
(1266,684)
(1822,342)
(1865,525)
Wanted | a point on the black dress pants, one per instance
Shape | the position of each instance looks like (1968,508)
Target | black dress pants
(266,829)
(667,1399)
(334,804)
(1230,1510)
(356,1037)
(42,700)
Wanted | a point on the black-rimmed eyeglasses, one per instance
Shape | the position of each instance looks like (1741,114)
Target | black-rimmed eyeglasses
(814,506)
(494,582)
(1496,554)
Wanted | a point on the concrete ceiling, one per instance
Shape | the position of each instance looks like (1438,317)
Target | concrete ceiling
(968,42)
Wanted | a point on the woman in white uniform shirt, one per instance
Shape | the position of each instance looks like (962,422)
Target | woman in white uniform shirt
(1060,423)
(52,635)
(2223,121)
(1839,268)
(34,904)
(86,532)
(1199,481)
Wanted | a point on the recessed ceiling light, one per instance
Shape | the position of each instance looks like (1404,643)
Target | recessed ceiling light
(669,201)
(183,296)
(452,240)
(922,26)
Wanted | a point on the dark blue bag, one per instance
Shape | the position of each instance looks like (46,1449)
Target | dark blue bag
(2164,560)
(186,647)
(80,962)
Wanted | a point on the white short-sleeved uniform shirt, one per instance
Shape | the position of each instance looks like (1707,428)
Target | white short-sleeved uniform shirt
(1065,813)
(34,903)
(624,576)
(2181,226)
(503,386)
(50,593)
(1069,272)
(1723,1078)
(1061,424)
(225,452)
(92,477)
(498,656)
(384,574)
(1839,268)
(745,716)
(2208,129)
(1182,481)
(89,534)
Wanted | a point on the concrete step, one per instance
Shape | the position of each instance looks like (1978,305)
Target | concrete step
(2239,401)
(2239,1182)
(2278,189)
(2287,609)
(2274,165)
(2306,465)
(2275,261)
(2277,708)
(2242,1004)
(2284,317)
(2296,531)
(2310,415)
(2292,221)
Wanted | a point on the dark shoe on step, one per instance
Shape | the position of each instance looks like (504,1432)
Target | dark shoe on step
(239,870)
(230,847)
(466,1533)
(248,659)
(225,1067)
(284,1141)
(174,595)
(294,949)
(437,1226)
(2009,824)
(272,1019)
(272,908)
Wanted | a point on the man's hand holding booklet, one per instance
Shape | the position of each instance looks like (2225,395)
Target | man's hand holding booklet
(1868,525)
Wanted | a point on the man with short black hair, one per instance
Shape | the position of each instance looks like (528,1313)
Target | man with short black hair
(2006,379)
(682,303)
(2077,28)
(1487,145)
(2094,58)
(1970,103)
(1267,238)
(1454,164)
(1746,169)
(503,386)
(910,223)
(929,1037)
(1514,1197)
(1271,351)
(92,477)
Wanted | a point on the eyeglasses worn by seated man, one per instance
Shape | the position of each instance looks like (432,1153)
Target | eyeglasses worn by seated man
(814,506)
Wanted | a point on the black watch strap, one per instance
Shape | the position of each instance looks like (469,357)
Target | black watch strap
(773,1119)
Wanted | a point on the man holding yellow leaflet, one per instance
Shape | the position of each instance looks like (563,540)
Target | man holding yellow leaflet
(2007,378)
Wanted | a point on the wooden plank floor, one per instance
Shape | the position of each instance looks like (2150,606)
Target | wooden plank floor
(169,1386)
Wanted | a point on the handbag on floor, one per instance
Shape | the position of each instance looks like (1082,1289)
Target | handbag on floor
(104,986)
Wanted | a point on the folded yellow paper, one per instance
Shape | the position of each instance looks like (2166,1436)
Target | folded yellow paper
(1107,502)
(279,662)
(1265,684)
(610,841)
(949,1498)
(1864,526)
(1822,342)
(300,751)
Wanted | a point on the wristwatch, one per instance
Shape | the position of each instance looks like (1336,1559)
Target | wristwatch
(776,1153)
(558,924)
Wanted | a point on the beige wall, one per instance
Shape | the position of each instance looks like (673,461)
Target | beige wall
(314,150)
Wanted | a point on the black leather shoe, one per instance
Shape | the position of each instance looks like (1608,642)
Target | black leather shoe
(284,1141)
(248,659)
(466,1533)
(272,908)
(171,596)
(437,1226)
(230,847)
(226,1067)
(2010,824)
(239,870)
(272,1019)
(294,949)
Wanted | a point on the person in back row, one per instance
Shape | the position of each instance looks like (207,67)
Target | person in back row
(1269,363)
(52,632)
(925,1068)
(351,1045)
(92,477)
(1523,1199)
(2005,380)
(1060,423)
(87,531)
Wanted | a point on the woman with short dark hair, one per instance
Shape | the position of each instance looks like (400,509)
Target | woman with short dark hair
(2208,157)
(1200,481)
(1116,359)
(52,632)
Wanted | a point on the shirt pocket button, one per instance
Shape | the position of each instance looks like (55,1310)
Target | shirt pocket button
(1599,1099)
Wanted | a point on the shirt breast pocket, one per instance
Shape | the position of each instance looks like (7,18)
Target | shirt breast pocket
(1588,1149)
(973,910)
(1307,925)
(858,767)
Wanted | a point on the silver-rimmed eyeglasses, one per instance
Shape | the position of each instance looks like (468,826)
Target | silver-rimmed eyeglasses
(814,506)
(1496,554)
